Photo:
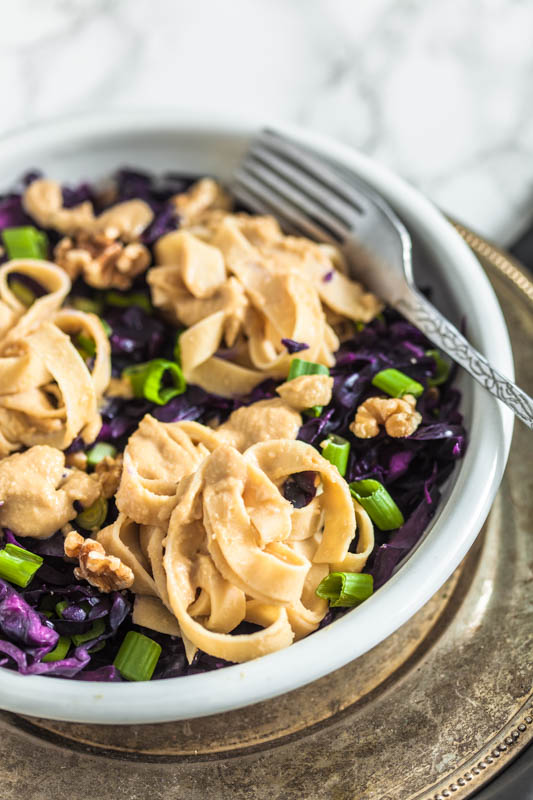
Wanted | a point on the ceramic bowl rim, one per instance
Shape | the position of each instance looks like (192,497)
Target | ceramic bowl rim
(425,571)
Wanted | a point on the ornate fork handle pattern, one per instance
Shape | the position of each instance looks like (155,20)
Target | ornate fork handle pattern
(425,316)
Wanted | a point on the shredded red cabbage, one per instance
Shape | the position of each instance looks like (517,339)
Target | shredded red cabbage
(294,347)
(12,215)
(135,336)
(412,469)
(300,488)
(21,623)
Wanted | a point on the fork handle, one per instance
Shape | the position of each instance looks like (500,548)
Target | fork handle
(441,332)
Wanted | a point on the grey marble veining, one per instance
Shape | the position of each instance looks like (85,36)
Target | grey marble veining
(440,91)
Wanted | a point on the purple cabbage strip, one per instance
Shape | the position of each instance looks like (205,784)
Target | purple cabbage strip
(120,609)
(74,195)
(391,552)
(12,214)
(10,538)
(154,190)
(314,430)
(57,577)
(293,346)
(74,613)
(300,488)
(195,404)
(165,221)
(20,622)
(54,546)
(134,333)
(30,176)
(108,673)
(264,391)
(65,668)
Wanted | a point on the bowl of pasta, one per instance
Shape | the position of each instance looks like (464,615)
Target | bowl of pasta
(226,468)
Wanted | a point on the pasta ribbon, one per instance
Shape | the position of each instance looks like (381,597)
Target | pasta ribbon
(48,396)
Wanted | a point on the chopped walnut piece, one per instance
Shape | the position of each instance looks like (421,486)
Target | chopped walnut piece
(306,391)
(107,573)
(204,196)
(398,414)
(105,263)
(108,472)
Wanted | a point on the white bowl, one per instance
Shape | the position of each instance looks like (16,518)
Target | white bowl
(93,146)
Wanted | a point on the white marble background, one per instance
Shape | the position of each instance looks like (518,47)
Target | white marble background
(441,90)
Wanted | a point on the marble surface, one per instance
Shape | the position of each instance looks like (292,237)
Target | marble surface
(441,91)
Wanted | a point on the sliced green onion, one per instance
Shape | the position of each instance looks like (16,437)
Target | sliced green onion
(22,293)
(336,450)
(396,383)
(60,607)
(314,411)
(137,657)
(88,305)
(378,504)
(147,380)
(60,650)
(25,242)
(300,367)
(106,326)
(99,451)
(442,371)
(18,565)
(92,518)
(120,300)
(96,629)
(345,588)
(85,345)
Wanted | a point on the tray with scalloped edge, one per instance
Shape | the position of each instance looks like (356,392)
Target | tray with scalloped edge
(434,711)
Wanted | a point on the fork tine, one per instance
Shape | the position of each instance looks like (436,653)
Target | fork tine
(263,196)
(301,202)
(342,185)
(252,202)
(328,200)
(247,198)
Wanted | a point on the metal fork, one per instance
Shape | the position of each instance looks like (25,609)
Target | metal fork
(310,196)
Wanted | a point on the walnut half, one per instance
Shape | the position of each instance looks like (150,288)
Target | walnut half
(105,263)
(107,573)
(398,414)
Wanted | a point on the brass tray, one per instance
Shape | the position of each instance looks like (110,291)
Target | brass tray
(435,711)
